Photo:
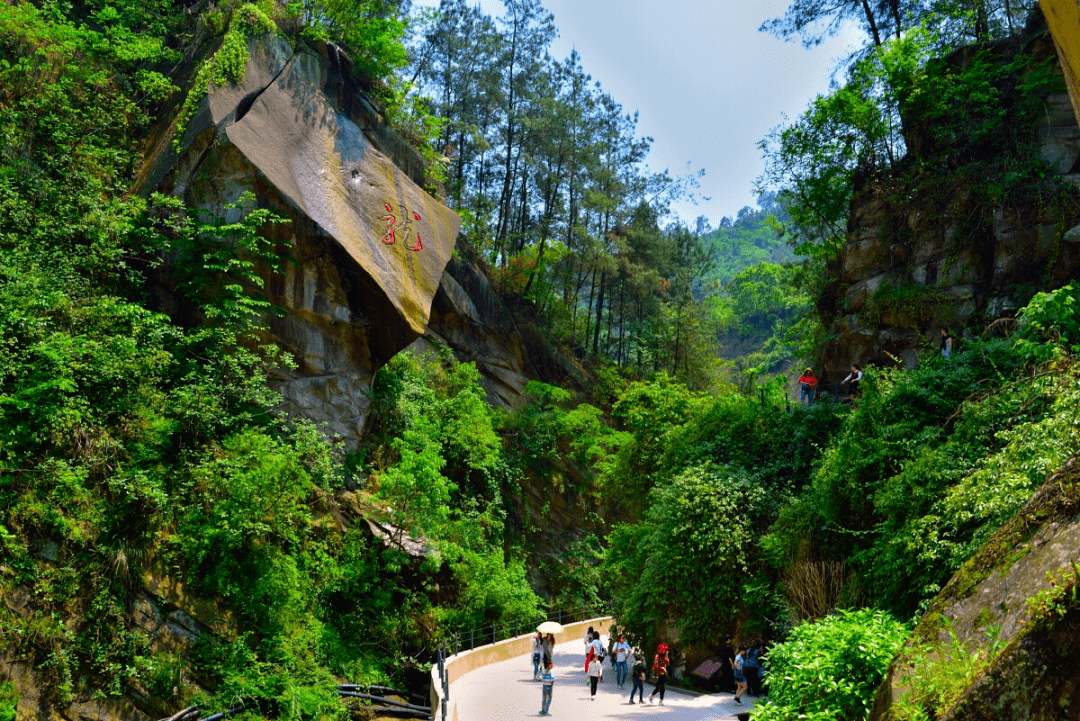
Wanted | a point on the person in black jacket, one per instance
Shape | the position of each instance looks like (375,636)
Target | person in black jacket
(727,671)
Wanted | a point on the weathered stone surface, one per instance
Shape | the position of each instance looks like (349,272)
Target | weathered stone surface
(965,270)
(1037,675)
(320,161)
(170,609)
(299,135)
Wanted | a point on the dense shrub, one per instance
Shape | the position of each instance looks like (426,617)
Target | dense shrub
(828,670)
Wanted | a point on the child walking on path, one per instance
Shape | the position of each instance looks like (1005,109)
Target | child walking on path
(596,671)
(545,700)
(740,678)
(639,681)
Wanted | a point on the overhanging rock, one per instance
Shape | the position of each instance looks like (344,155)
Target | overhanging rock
(370,244)
(319,159)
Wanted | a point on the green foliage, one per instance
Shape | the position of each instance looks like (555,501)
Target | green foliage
(9,700)
(690,555)
(1062,595)
(226,66)
(1051,316)
(372,32)
(937,673)
(828,670)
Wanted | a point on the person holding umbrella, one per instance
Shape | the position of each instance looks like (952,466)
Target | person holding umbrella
(548,629)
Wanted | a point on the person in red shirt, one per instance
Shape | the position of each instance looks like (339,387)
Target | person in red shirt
(807,386)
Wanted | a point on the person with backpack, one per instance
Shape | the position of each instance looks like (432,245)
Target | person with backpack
(639,679)
(750,669)
(596,671)
(660,669)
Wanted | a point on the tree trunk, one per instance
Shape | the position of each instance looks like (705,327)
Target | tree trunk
(599,315)
(870,21)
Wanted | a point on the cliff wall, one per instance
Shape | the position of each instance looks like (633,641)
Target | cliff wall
(962,251)
(373,271)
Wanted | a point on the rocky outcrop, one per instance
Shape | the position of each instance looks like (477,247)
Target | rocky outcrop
(952,255)
(1036,674)
(369,244)
(468,316)
(372,270)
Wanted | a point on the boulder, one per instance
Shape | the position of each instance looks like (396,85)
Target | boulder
(1035,676)
(369,244)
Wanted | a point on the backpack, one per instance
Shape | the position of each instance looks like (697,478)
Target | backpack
(660,665)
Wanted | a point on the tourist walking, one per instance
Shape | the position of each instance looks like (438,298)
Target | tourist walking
(853,378)
(807,386)
(727,658)
(619,658)
(596,672)
(740,679)
(639,679)
(594,649)
(537,654)
(548,680)
(750,670)
(660,669)
(549,649)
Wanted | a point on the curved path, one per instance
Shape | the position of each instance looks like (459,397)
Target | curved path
(505,690)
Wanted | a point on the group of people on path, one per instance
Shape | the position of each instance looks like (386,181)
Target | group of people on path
(595,654)
(743,670)
(808,382)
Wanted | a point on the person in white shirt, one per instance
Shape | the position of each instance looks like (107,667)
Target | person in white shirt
(854,377)
(622,655)
(537,652)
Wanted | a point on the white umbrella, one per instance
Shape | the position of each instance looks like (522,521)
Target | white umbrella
(549,627)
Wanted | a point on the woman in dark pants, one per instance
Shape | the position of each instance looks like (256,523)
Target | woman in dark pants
(659,669)
(751,670)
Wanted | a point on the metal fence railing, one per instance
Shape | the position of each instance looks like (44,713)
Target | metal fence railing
(475,637)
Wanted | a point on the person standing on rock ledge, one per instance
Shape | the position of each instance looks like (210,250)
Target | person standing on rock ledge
(946,342)
(853,378)
(807,386)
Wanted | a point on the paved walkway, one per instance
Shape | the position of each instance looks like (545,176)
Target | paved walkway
(506,691)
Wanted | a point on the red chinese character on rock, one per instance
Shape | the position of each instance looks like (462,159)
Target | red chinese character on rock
(419,243)
(392,226)
(390,236)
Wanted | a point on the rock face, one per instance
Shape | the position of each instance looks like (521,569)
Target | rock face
(913,264)
(370,244)
(468,316)
(1036,675)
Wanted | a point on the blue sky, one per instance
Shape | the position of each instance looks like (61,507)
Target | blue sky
(706,84)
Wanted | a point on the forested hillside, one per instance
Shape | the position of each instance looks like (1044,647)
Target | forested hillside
(173,532)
